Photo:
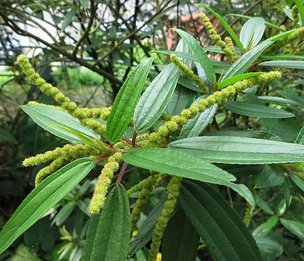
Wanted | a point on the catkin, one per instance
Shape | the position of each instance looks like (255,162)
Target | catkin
(173,191)
(103,183)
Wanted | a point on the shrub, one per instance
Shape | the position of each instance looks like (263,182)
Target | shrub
(205,131)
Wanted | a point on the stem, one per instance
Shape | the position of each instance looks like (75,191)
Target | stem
(134,139)
(122,172)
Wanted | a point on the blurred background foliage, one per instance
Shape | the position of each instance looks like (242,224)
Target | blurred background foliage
(87,48)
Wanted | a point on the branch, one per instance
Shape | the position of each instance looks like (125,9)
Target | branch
(63,52)
(132,33)
(93,9)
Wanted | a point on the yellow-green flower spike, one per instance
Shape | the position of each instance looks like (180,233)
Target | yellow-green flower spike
(103,183)
(295,15)
(68,152)
(97,113)
(232,54)
(155,179)
(248,215)
(53,92)
(48,89)
(173,192)
(43,173)
(190,74)
(140,202)
(215,36)
(219,97)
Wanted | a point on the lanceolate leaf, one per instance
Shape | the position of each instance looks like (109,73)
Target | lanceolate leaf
(176,163)
(240,150)
(200,54)
(293,96)
(125,101)
(221,228)
(42,198)
(252,32)
(266,23)
(108,236)
(247,59)
(226,26)
(237,78)
(257,110)
(180,164)
(51,119)
(294,227)
(154,100)
(284,64)
(180,239)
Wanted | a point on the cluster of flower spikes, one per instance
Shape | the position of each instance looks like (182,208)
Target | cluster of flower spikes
(103,183)
(173,188)
(59,157)
(159,137)
(65,103)
(146,186)
(226,47)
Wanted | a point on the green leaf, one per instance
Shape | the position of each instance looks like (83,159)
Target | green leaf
(188,84)
(298,181)
(270,176)
(221,228)
(276,100)
(180,164)
(126,100)
(146,228)
(266,23)
(269,248)
(5,136)
(252,32)
(51,119)
(180,239)
(263,229)
(64,213)
(108,235)
(176,163)
(287,64)
(237,78)
(42,198)
(257,110)
(226,26)
(181,99)
(293,96)
(68,19)
(239,150)
(195,126)
(300,6)
(294,227)
(155,99)
(283,57)
(247,59)
(200,54)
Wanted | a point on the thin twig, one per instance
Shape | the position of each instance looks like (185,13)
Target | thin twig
(93,9)
(131,34)
(122,172)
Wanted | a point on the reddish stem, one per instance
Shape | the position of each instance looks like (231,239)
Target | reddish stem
(100,158)
(134,139)
(122,172)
